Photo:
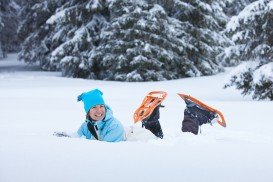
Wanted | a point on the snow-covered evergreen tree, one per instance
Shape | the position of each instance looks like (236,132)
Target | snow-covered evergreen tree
(205,22)
(234,7)
(77,26)
(68,31)
(125,40)
(1,28)
(139,44)
(252,33)
(34,30)
(143,43)
(8,26)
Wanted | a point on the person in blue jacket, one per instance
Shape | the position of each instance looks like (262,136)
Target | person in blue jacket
(100,124)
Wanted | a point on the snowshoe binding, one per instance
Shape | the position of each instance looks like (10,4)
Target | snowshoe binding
(198,113)
(148,112)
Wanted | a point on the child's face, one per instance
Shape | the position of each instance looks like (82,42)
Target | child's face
(97,112)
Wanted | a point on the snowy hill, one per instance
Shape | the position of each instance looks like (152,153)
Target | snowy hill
(34,104)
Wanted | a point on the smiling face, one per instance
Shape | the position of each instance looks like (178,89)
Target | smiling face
(97,112)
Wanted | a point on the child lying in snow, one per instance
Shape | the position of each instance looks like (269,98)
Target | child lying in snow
(100,124)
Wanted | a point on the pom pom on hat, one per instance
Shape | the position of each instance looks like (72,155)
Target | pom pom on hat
(91,99)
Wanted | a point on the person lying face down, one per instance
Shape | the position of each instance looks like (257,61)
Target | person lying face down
(100,124)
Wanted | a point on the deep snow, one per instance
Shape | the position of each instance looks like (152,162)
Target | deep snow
(34,104)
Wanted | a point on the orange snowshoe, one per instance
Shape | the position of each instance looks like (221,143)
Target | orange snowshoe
(149,103)
(192,100)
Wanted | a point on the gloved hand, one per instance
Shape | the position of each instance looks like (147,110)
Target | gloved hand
(61,134)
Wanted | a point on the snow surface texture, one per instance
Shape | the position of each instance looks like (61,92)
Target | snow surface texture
(34,104)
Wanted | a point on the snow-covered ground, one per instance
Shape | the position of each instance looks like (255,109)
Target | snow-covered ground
(34,104)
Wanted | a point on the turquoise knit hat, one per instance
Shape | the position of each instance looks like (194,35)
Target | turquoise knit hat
(91,99)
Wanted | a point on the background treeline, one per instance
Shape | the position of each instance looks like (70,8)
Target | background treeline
(144,40)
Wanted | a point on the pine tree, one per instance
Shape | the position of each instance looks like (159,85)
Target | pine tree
(77,25)
(125,40)
(138,44)
(252,33)
(8,26)
(205,22)
(1,28)
(234,7)
(63,34)
(144,42)
(34,30)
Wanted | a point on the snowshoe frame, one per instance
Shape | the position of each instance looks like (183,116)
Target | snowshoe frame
(221,119)
(149,103)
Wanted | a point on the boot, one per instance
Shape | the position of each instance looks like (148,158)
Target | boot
(195,116)
(152,123)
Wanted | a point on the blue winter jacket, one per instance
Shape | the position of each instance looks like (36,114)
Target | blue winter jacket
(109,129)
